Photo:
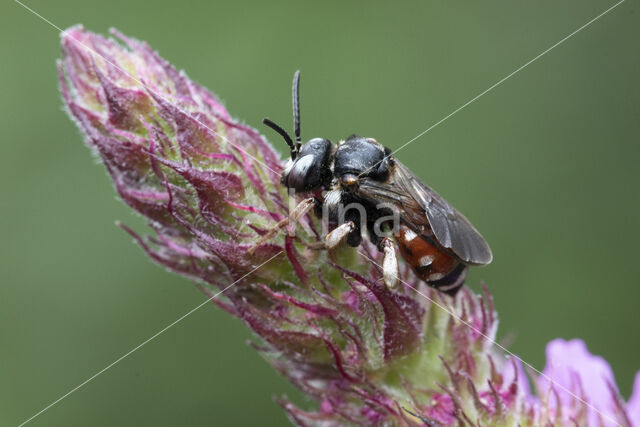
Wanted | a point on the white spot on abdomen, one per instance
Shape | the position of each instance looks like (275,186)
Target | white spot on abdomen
(409,235)
(426,260)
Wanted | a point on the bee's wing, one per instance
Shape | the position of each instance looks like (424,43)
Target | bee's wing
(420,204)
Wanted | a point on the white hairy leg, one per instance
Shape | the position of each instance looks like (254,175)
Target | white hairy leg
(389,264)
(290,222)
(337,236)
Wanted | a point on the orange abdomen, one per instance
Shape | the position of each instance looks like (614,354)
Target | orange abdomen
(428,261)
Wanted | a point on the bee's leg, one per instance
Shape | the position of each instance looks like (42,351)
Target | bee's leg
(390,263)
(298,212)
(303,208)
(338,235)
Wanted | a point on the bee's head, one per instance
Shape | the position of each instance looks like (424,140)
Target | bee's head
(310,169)
(309,166)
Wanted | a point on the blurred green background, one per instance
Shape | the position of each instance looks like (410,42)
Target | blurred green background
(545,165)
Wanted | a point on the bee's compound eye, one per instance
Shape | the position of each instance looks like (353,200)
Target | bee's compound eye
(311,170)
(296,175)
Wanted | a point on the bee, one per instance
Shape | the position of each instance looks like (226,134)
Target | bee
(436,240)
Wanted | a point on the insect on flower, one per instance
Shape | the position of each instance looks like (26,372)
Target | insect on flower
(358,184)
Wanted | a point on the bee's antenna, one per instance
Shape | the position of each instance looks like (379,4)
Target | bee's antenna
(287,138)
(296,107)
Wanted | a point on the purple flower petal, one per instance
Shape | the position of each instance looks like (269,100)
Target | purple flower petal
(633,406)
(579,375)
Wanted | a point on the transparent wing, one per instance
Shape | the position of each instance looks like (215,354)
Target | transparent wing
(421,206)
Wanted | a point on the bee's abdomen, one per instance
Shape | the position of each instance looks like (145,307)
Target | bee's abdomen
(436,267)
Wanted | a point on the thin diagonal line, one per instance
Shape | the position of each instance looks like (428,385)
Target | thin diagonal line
(501,347)
(493,86)
(158,94)
(134,349)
